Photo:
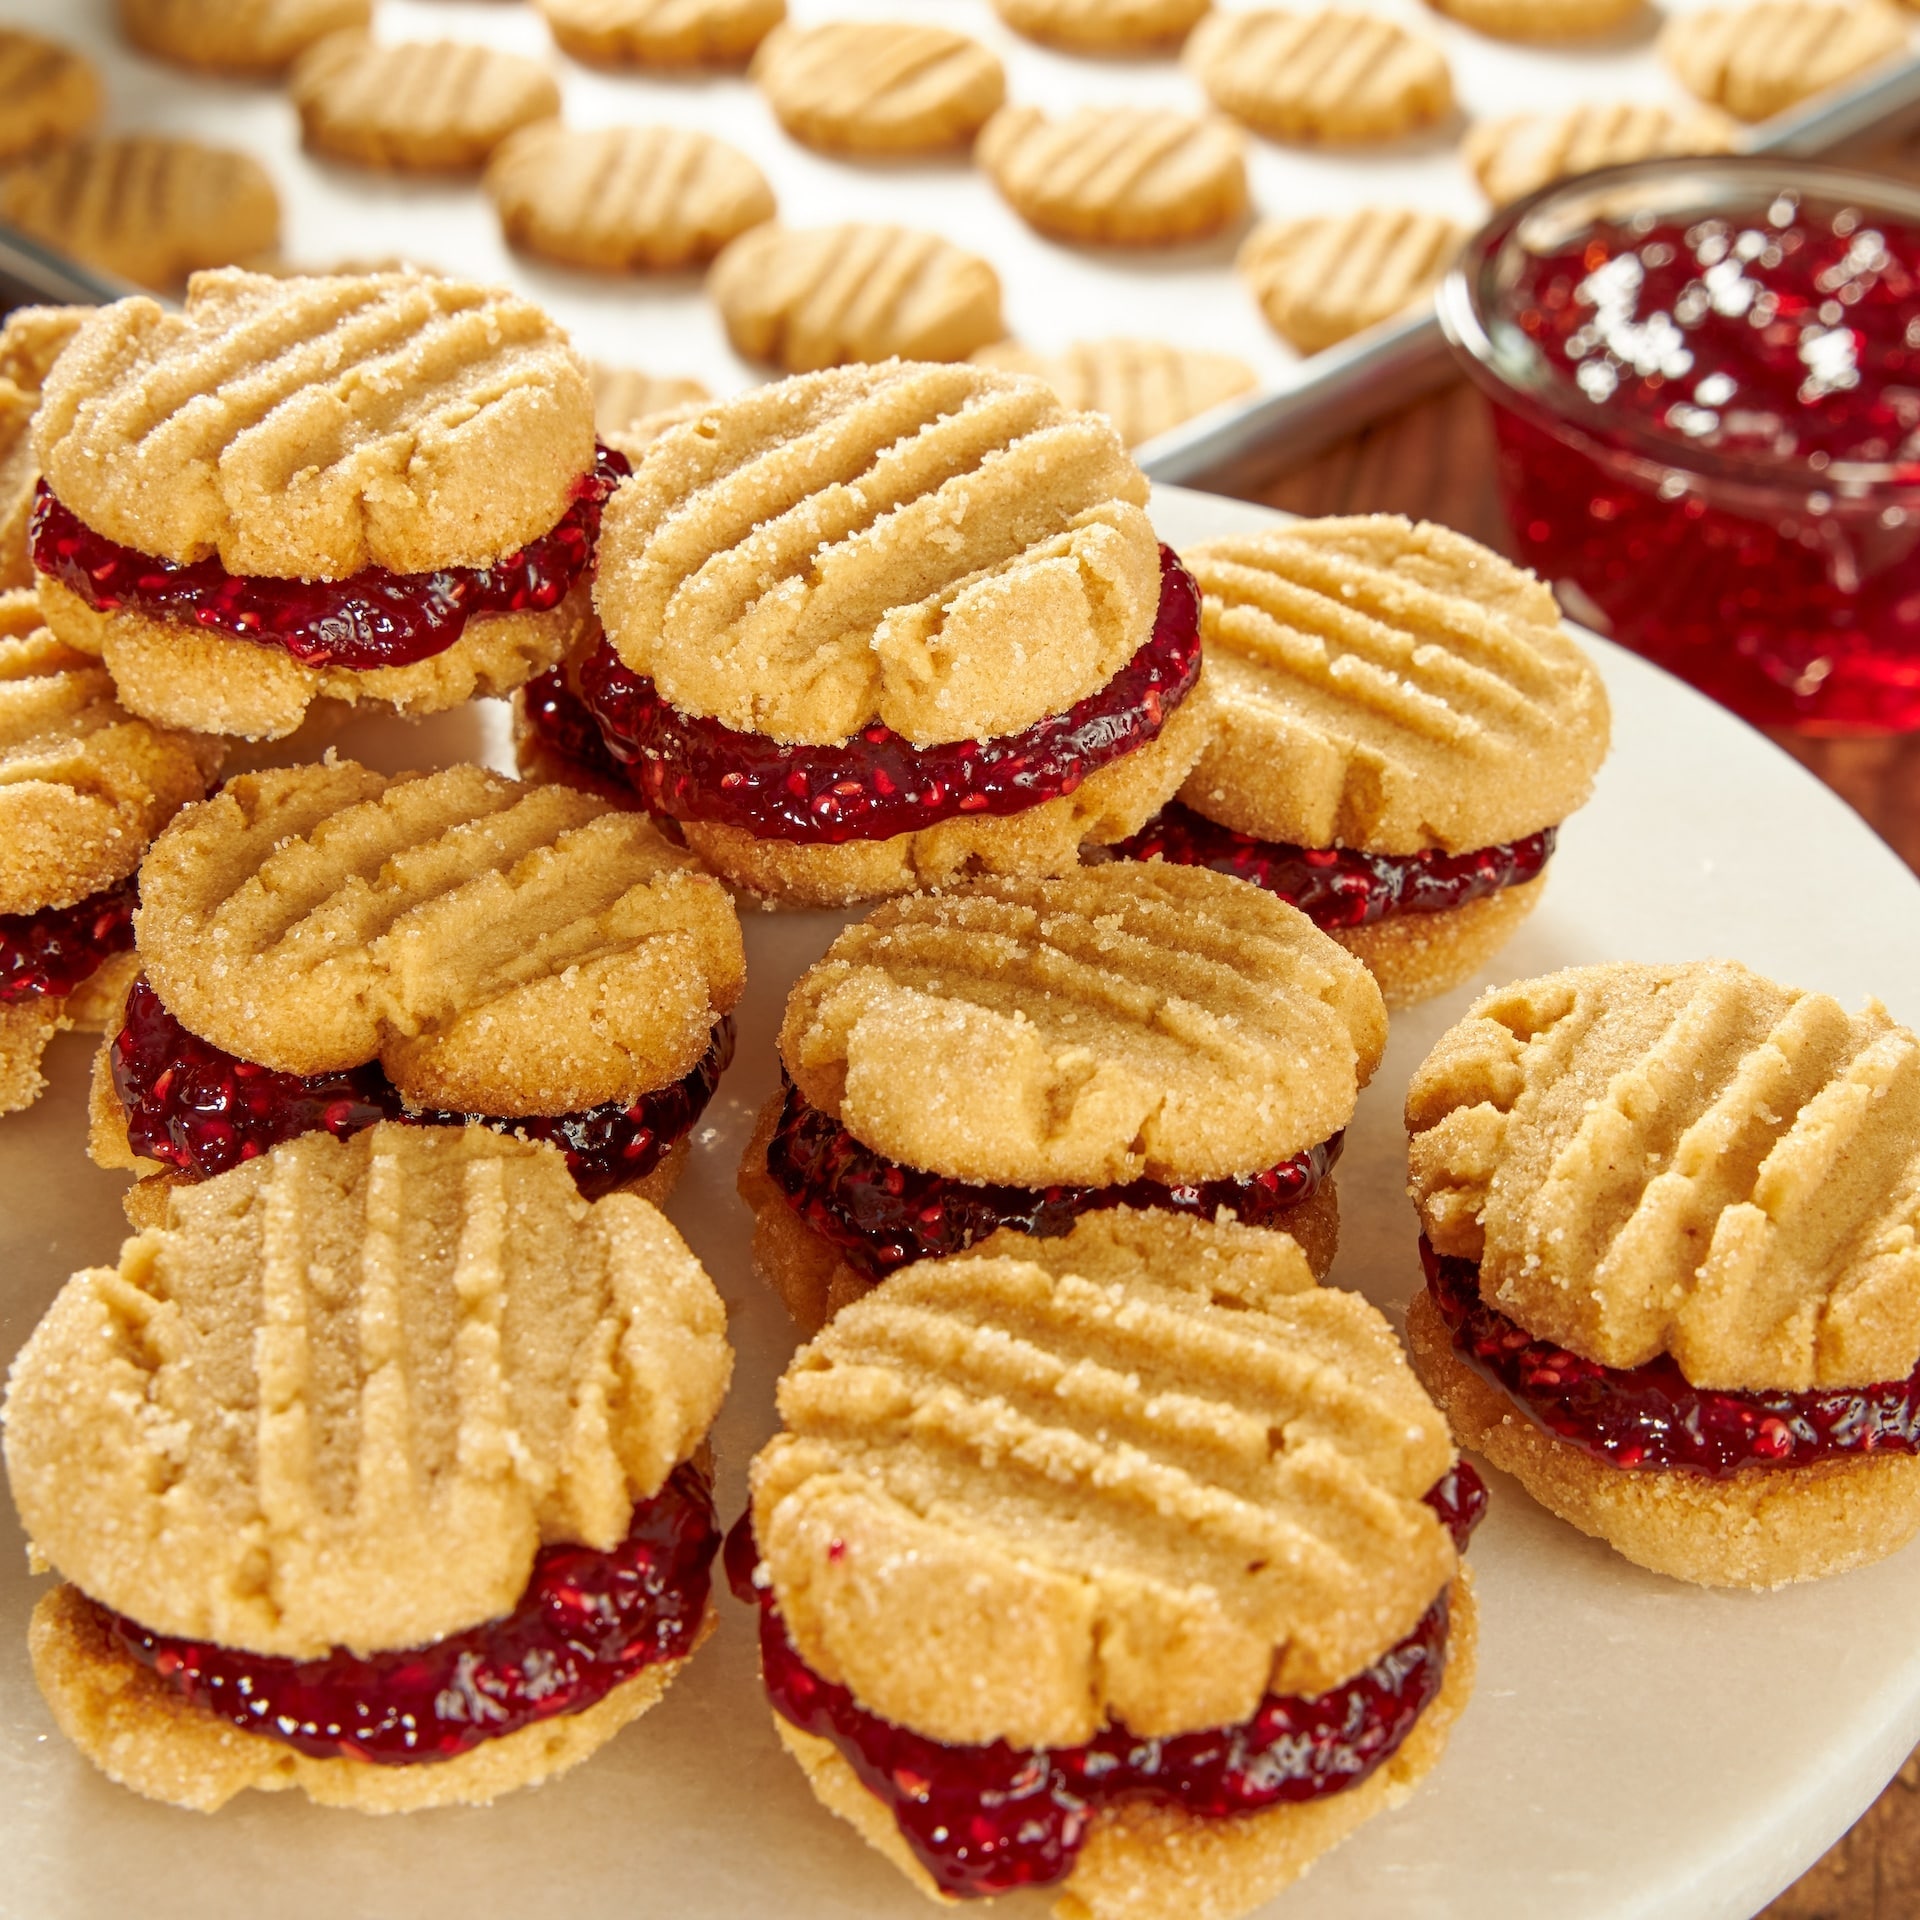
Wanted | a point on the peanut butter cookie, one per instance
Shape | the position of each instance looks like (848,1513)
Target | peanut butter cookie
(662,33)
(237,36)
(1319,76)
(1515,156)
(148,209)
(1401,725)
(623,198)
(468,1392)
(1013,1435)
(1691,1194)
(1758,60)
(877,86)
(624,396)
(1101,26)
(1548,20)
(1144,387)
(856,622)
(30,342)
(1123,176)
(423,106)
(1323,278)
(49,94)
(816,297)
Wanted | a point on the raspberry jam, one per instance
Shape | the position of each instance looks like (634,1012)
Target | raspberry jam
(1709,428)
(199,1109)
(586,1622)
(560,718)
(1339,887)
(878,784)
(1650,1416)
(372,618)
(882,1215)
(45,955)
(983,1820)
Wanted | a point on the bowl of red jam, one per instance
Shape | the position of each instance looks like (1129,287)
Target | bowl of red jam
(1705,387)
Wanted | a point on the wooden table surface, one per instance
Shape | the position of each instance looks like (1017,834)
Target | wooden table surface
(1434,461)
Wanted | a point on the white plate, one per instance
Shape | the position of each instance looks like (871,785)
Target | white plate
(1634,1748)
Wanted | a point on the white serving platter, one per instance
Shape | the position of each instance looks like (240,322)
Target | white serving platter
(1635,1750)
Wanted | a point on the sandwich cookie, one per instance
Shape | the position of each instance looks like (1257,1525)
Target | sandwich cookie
(323,948)
(381,488)
(30,342)
(371,1470)
(1126,1564)
(1020,1053)
(878,628)
(1402,724)
(1673,1266)
(83,787)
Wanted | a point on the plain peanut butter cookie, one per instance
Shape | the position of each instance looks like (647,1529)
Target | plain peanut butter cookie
(1325,277)
(662,33)
(1101,26)
(1514,156)
(49,94)
(1319,76)
(878,86)
(1544,20)
(618,199)
(815,297)
(1121,176)
(443,1359)
(30,342)
(423,106)
(625,396)
(149,209)
(237,36)
(1145,387)
(1758,60)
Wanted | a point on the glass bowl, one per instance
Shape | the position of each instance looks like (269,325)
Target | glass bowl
(1705,380)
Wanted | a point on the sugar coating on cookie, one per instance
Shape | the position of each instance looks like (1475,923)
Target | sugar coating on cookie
(878,86)
(625,396)
(49,93)
(237,36)
(1513,156)
(1101,26)
(151,210)
(619,198)
(1760,59)
(1122,1022)
(399,420)
(426,106)
(1319,76)
(1013,1436)
(1682,1159)
(1125,176)
(1541,19)
(946,550)
(500,949)
(1391,685)
(662,33)
(1325,277)
(30,342)
(439,1356)
(1145,387)
(83,785)
(814,297)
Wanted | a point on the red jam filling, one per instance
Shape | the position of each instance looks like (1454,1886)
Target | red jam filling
(45,955)
(586,1622)
(1338,887)
(196,1108)
(882,1215)
(1651,1417)
(878,784)
(560,718)
(983,1820)
(373,618)
(1781,352)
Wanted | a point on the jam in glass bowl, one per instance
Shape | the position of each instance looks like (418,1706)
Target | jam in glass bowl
(1705,378)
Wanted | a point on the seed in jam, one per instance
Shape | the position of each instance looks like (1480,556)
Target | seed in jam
(1340,887)
(882,1215)
(878,784)
(986,1819)
(45,955)
(1651,1417)
(373,618)
(200,1110)
(1739,497)
(586,1622)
